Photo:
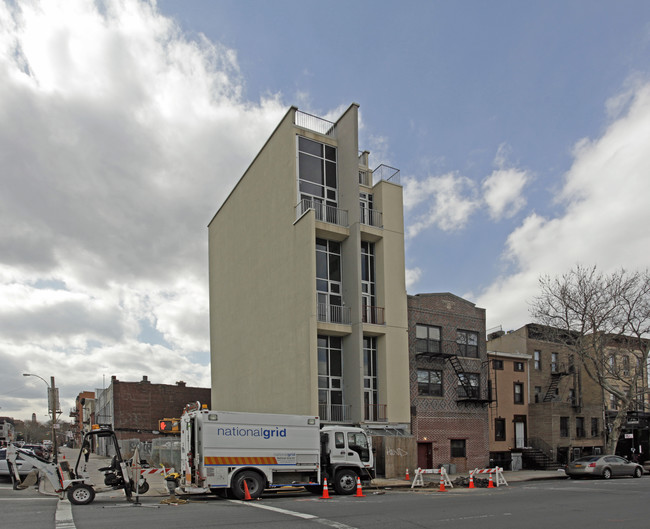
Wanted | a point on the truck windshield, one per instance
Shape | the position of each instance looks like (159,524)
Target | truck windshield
(358,442)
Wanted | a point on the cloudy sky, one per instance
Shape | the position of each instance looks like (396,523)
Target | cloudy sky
(521,130)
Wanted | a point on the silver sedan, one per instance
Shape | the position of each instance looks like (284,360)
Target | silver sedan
(606,466)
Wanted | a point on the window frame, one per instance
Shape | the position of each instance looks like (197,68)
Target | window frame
(499,429)
(564,427)
(461,448)
(497,364)
(428,341)
(429,383)
(518,395)
(476,389)
(519,367)
(465,349)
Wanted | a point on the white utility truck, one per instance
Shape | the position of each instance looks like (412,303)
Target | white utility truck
(228,452)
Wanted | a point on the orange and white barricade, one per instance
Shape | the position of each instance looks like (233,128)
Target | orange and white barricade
(418,480)
(497,471)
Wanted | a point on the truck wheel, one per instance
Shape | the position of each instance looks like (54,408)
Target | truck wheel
(81,494)
(345,482)
(253,481)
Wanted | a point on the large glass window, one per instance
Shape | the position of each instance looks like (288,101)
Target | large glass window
(330,378)
(467,343)
(427,339)
(469,385)
(317,179)
(370,390)
(368,299)
(430,382)
(328,280)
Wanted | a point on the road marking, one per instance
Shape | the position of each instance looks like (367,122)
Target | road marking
(304,516)
(63,518)
(27,499)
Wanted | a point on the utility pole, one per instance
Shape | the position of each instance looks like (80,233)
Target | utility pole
(52,408)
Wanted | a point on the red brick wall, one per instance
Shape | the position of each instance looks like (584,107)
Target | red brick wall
(138,406)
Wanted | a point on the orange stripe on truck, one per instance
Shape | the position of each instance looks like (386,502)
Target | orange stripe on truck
(240,461)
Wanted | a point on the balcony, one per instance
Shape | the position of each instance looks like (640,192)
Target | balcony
(375,413)
(335,412)
(324,213)
(388,173)
(371,217)
(374,315)
(333,314)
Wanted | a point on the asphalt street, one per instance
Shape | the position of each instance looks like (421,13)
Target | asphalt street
(531,504)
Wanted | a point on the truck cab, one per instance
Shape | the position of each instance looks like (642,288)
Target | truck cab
(346,454)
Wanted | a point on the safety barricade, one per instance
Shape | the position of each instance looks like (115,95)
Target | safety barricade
(152,471)
(497,471)
(418,480)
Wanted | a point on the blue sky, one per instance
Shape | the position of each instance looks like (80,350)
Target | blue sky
(520,129)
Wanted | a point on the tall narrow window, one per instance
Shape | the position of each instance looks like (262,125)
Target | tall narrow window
(328,281)
(537,360)
(317,178)
(554,364)
(580,426)
(519,393)
(366,204)
(564,427)
(467,343)
(499,429)
(330,379)
(594,426)
(370,313)
(370,390)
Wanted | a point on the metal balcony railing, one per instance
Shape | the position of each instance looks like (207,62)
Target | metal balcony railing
(388,173)
(323,212)
(374,315)
(375,413)
(333,314)
(371,217)
(320,125)
(335,412)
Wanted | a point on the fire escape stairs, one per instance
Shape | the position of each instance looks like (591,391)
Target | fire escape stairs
(552,387)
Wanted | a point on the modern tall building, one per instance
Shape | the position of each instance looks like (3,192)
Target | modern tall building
(307,289)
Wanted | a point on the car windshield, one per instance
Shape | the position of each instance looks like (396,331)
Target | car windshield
(588,459)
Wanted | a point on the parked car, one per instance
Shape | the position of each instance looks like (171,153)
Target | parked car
(24,467)
(604,466)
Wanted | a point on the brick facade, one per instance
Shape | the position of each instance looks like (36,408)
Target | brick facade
(138,406)
(438,422)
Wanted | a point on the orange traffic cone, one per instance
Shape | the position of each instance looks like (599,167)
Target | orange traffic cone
(247,494)
(442,484)
(359,493)
(326,492)
(407,478)
(490,483)
(471,481)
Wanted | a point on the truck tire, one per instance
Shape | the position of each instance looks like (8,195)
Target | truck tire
(81,494)
(253,481)
(345,482)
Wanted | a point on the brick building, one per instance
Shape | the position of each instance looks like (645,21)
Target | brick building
(508,411)
(79,425)
(565,411)
(134,408)
(448,381)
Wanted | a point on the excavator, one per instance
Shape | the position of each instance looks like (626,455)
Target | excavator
(76,483)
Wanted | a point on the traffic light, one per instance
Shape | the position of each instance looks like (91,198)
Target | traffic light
(169,425)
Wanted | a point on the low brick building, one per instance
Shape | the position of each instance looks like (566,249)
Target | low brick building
(134,408)
(448,381)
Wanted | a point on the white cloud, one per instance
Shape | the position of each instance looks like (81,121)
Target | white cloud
(412,277)
(605,217)
(445,201)
(503,192)
(119,140)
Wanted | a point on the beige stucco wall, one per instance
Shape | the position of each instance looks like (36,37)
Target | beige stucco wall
(262,270)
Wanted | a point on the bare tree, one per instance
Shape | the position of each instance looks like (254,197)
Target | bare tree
(605,320)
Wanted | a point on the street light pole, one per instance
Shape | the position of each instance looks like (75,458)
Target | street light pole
(52,404)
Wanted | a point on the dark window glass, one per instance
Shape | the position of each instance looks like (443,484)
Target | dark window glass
(457,448)
(311,169)
(499,429)
(467,343)
(519,393)
(312,147)
(335,363)
(427,339)
(311,189)
(497,364)
(330,174)
(330,153)
(564,427)
(594,426)
(474,385)
(519,366)
(335,267)
(429,383)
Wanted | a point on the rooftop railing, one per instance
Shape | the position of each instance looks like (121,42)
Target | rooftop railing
(388,173)
(320,125)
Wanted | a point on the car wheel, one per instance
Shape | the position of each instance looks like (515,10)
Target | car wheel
(607,473)
(345,482)
(81,494)
(638,472)
(253,482)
